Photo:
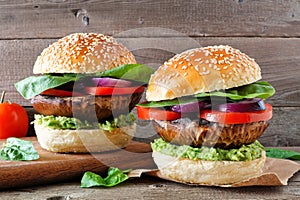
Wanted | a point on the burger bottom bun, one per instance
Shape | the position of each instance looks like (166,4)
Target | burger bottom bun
(208,172)
(83,141)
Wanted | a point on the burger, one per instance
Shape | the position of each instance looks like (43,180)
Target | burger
(84,88)
(208,107)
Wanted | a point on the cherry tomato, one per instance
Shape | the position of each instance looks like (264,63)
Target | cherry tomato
(13,120)
(237,117)
(156,114)
(107,91)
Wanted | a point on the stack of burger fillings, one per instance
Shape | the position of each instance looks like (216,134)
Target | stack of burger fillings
(87,84)
(208,107)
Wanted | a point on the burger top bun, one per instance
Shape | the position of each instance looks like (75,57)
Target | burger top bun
(82,53)
(202,70)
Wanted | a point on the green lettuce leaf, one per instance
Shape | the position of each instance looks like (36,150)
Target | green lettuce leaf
(283,154)
(115,176)
(17,149)
(34,85)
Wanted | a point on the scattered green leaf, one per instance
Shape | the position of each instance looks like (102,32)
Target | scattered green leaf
(283,154)
(115,176)
(17,149)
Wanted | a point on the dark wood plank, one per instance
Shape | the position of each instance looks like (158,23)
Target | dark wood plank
(54,167)
(279,59)
(48,19)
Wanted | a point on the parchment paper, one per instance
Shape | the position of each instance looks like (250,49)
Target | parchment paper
(276,172)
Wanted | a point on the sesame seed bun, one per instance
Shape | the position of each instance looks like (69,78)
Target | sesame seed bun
(202,70)
(82,53)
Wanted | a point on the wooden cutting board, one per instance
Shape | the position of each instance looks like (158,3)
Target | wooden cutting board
(54,167)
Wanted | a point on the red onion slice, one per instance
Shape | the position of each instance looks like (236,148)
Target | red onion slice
(111,82)
(189,107)
(247,105)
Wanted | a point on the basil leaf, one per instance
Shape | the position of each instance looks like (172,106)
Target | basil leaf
(261,90)
(34,85)
(283,154)
(136,72)
(17,149)
(115,176)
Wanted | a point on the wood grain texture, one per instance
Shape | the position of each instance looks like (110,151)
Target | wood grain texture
(54,167)
(153,188)
(55,18)
(279,59)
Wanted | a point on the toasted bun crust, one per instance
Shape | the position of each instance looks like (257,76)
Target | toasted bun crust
(202,70)
(208,172)
(82,53)
(83,141)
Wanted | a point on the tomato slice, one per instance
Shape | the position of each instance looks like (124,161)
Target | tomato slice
(60,93)
(146,113)
(237,117)
(107,91)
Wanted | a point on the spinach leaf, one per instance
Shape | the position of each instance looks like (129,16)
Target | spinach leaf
(34,85)
(261,90)
(17,149)
(115,176)
(136,72)
(171,102)
(255,90)
(283,154)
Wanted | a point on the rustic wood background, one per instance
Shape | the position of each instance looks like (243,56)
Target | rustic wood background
(268,31)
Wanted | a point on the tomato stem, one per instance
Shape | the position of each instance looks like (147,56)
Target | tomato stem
(2,97)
